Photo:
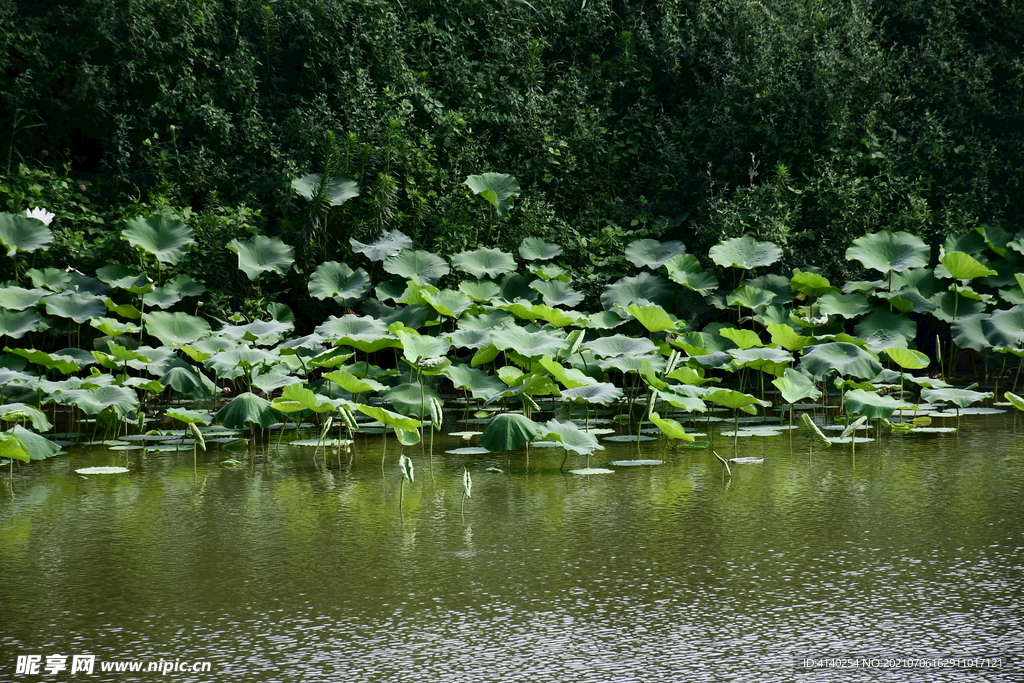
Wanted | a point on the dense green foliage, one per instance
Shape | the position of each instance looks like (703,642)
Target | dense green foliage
(804,123)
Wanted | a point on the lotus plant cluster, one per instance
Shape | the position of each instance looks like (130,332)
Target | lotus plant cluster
(503,329)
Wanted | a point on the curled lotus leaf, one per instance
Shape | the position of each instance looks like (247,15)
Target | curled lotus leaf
(500,189)
(509,432)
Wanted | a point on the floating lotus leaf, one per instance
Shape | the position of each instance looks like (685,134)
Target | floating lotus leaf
(870,404)
(16,324)
(795,386)
(112,469)
(845,358)
(958,397)
(16,298)
(19,233)
(262,254)
(165,239)
(528,344)
(500,189)
(484,262)
(509,432)
(961,266)
(334,191)
(422,267)
(468,450)
(387,243)
(603,393)
(77,306)
(246,409)
(557,293)
(888,251)
(571,437)
(652,254)
(592,470)
(619,345)
(333,280)
(643,289)
(745,252)
(176,329)
(536,249)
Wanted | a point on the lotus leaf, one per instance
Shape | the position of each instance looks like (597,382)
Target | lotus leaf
(261,254)
(744,339)
(484,262)
(908,359)
(670,428)
(571,437)
(548,271)
(815,430)
(959,397)
(165,239)
(845,358)
(557,293)
(870,405)
(795,386)
(647,253)
(889,252)
(388,418)
(122,400)
(333,280)
(448,302)
(745,252)
(19,411)
(811,284)
(352,384)
(17,298)
(334,190)
(387,243)
(845,305)
(54,279)
(274,378)
(619,345)
(480,384)
(500,189)
(480,290)
(642,289)
(961,266)
(1005,329)
(509,432)
(262,332)
(16,324)
(245,409)
(749,297)
(19,233)
(603,393)
(536,249)
(422,267)
(366,334)
(950,306)
(686,270)
(176,329)
(529,344)
(79,307)
(412,399)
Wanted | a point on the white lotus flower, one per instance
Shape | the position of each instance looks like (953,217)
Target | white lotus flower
(41,215)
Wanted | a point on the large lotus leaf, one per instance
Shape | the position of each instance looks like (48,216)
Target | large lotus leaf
(764,358)
(670,428)
(122,277)
(352,384)
(557,316)
(491,321)
(644,288)
(61,362)
(686,270)
(968,332)
(889,251)
(335,191)
(187,379)
(567,377)
(881,319)
(907,300)
(480,290)
(557,293)
(412,399)
(548,271)
(652,254)
(333,280)
(469,339)
(481,384)
(246,409)
(447,302)
(509,432)
(922,280)
(748,296)
(78,307)
(122,400)
(421,267)
(18,233)
(1005,329)
(232,363)
(20,411)
(484,262)
(262,332)
(961,266)
(870,405)
(536,249)
(603,393)
(950,306)
(35,446)
(528,344)
(16,324)
(735,399)
(845,358)
(958,397)
(296,397)
(161,297)
(788,338)
(16,298)
(652,317)
(795,386)
(810,284)
(387,243)
(189,416)
(165,239)
(418,347)
(845,305)
(908,359)
(500,189)
(54,279)
(745,252)
(517,286)
(366,334)
(572,437)
(12,448)
(620,345)
(176,329)
(261,254)
(390,419)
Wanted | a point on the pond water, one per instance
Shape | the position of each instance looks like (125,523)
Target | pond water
(291,570)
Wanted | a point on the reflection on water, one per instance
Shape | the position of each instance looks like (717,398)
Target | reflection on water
(290,571)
